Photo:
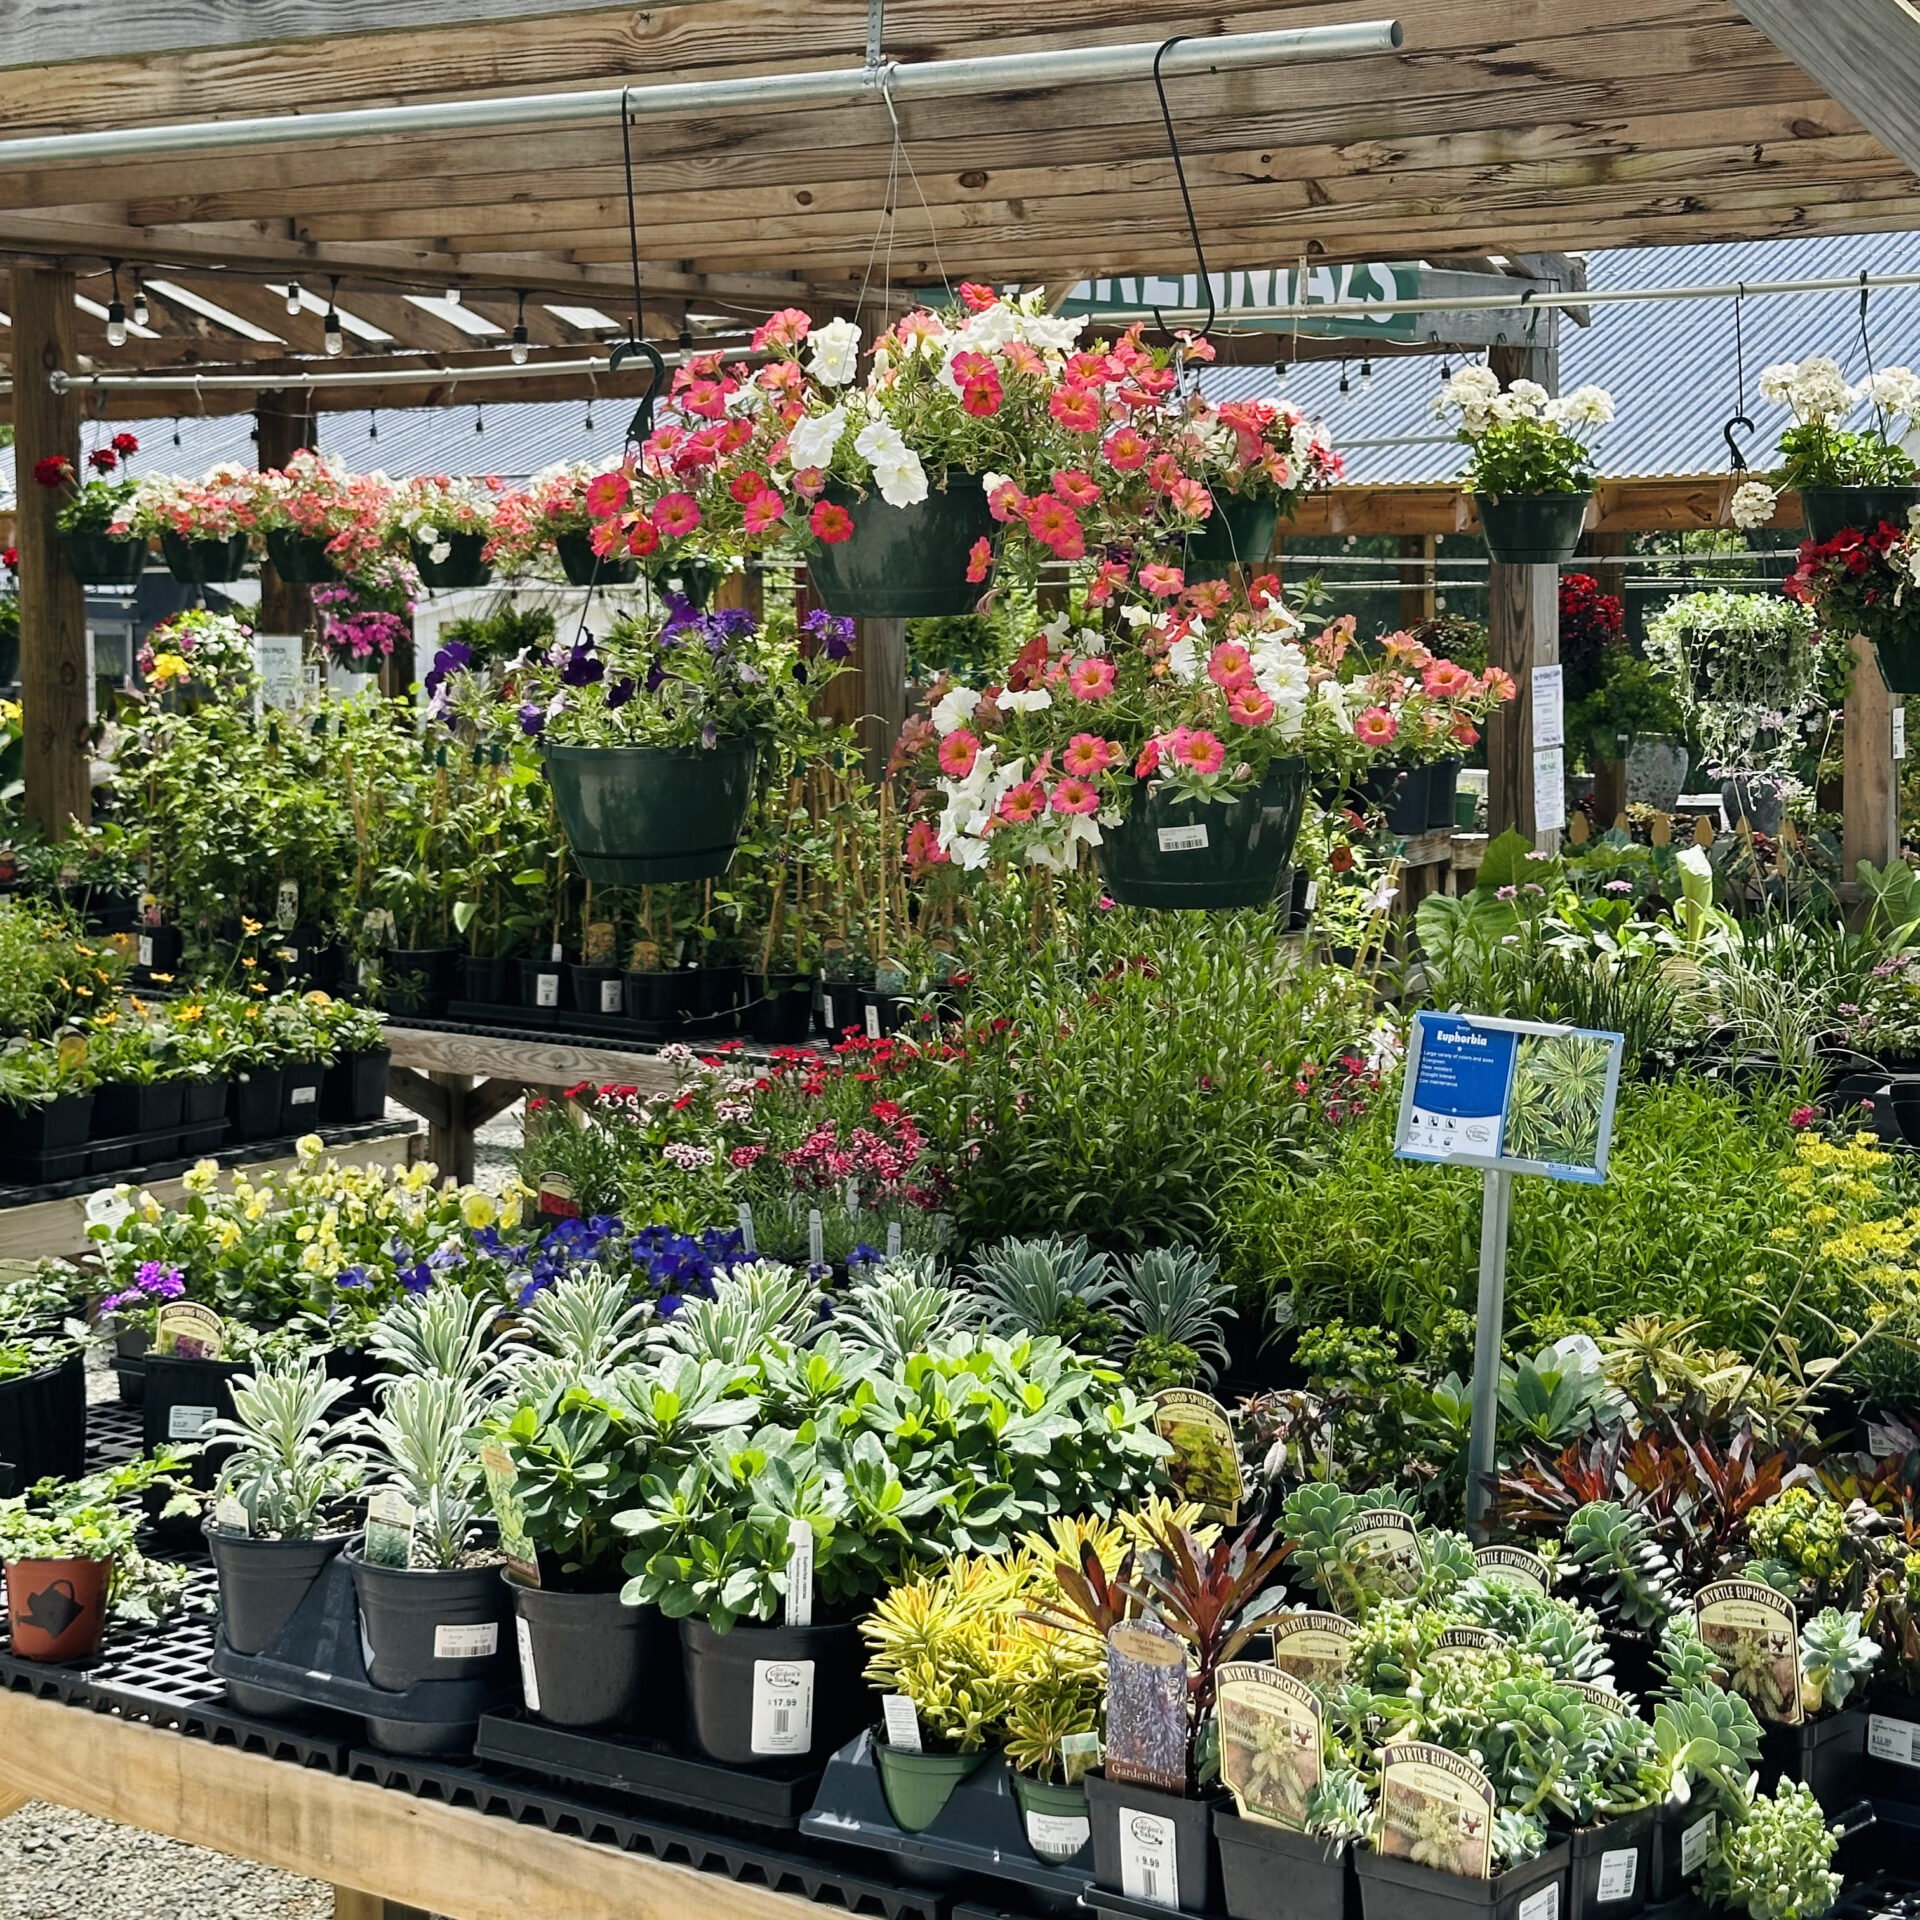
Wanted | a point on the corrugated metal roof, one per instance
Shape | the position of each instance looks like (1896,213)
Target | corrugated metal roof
(1668,364)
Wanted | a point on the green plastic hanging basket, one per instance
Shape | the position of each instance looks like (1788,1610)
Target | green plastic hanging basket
(904,562)
(1171,851)
(1829,511)
(584,568)
(103,559)
(1531,529)
(201,563)
(301,559)
(1238,532)
(640,816)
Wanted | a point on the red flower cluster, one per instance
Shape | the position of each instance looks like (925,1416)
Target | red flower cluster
(1861,582)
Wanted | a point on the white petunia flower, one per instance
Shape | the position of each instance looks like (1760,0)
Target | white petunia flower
(1031,700)
(953,709)
(902,482)
(1184,660)
(812,441)
(834,352)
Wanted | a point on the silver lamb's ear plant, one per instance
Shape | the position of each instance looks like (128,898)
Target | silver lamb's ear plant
(442,1331)
(754,1302)
(903,1307)
(425,1431)
(288,1465)
(1172,1297)
(1049,1286)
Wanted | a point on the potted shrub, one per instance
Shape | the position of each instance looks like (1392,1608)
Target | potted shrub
(652,735)
(302,1037)
(1845,479)
(1531,474)
(94,555)
(278,1515)
(67,1549)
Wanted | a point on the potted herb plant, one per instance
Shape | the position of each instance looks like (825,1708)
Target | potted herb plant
(94,555)
(1532,472)
(279,1508)
(43,1388)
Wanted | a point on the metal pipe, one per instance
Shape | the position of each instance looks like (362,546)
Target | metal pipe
(833,87)
(1500,303)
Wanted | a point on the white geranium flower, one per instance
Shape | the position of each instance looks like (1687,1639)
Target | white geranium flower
(1819,390)
(1753,504)
(1530,393)
(1590,406)
(1893,390)
(834,352)
(812,441)
(953,709)
(1776,381)
(1030,700)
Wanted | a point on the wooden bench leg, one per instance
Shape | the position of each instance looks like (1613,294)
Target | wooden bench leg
(450,1140)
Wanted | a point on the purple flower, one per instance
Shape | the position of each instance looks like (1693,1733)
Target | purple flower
(832,633)
(133,1297)
(620,693)
(158,1282)
(353,1278)
(417,1279)
(710,735)
(533,720)
(583,666)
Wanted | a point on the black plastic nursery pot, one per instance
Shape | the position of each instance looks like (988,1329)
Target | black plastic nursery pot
(203,1102)
(158,949)
(1891,1770)
(1238,532)
(586,1659)
(598,990)
(1682,1837)
(708,996)
(1531,529)
(762,1694)
(183,1398)
(1610,1866)
(43,1422)
(416,979)
(585,568)
(300,1083)
(1829,511)
(904,562)
(1443,793)
(641,816)
(356,1086)
(653,996)
(1899,663)
(46,1126)
(104,560)
(120,1109)
(543,985)
(1403,795)
(430,1624)
(1174,852)
(840,1006)
(489,979)
(263,1581)
(1155,1846)
(779,1008)
(1828,1754)
(1273,1873)
(199,563)
(919,1785)
(254,1103)
(301,559)
(460,566)
(1394,1889)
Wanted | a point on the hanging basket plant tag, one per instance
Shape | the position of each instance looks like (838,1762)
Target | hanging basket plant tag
(1513,1567)
(1146,1706)
(1313,1647)
(1271,1742)
(1436,1810)
(1754,1633)
(1205,1467)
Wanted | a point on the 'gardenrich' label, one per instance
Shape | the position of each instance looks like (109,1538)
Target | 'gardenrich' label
(782,1706)
(546,989)
(1183,839)
(478,1640)
(610,995)
(1149,1866)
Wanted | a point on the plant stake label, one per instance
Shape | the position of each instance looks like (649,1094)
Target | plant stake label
(1470,1640)
(546,989)
(529,1679)
(523,1561)
(1436,1810)
(782,1706)
(903,1723)
(1149,1858)
(1387,1543)
(1270,1743)
(1603,1698)
(286,903)
(556,1201)
(873,1023)
(798,1611)
(1313,1647)
(1079,1755)
(746,1230)
(1514,1567)
(612,996)
(893,1239)
(1183,839)
(1146,1707)
(106,1208)
(185,1330)
(1205,1467)
(143,949)
(1754,1633)
(816,1239)
(389,1535)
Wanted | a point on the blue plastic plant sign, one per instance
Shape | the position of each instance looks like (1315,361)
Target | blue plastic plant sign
(1509,1094)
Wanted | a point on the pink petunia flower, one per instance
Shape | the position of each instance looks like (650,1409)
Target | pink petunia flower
(1074,795)
(1230,665)
(1056,526)
(1376,727)
(607,494)
(1162,582)
(958,751)
(979,560)
(1006,502)
(1125,450)
(1022,804)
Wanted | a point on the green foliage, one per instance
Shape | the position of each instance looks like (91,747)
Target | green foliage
(1173,1307)
(1835,1656)
(1049,1286)
(1775,1860)
(1623,1565)
(290,1467)
(1708,1738)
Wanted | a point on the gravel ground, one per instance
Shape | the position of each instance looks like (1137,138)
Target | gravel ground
(56,1864)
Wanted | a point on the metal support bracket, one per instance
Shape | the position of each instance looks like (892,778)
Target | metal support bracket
(876,32)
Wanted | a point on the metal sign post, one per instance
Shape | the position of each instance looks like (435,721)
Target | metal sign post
(1489,1327)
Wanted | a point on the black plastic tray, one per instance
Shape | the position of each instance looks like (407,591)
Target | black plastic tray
(646,1769)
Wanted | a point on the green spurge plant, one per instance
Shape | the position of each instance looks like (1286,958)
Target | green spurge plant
(1621,1564)
(1808,1549)
(1050,1286)
(1775,1860)
(1172,1305)
(1704,1736)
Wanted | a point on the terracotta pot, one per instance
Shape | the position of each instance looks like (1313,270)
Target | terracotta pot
(57,1609)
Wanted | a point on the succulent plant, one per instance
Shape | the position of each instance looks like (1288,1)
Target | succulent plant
(1632,1579)
(1835,1655)
(1048,1286)
(1173,1305)
(1705,1736)
(1684,1659)
(1775,1859)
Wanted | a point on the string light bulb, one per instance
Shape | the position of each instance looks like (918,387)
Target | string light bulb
(1446,370)
(336,341)
(517,351)
(1280,371)
(1366,376)
(453,296)
(293,296)
(140,310)
(1346,385)
(116,313)
(479,419)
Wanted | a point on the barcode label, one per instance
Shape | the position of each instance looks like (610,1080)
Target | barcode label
(1895,1740)
(903,1723)
(546,989)
(1183,839)
(189,1423)
(873,1023)
(1544,1905)
(1695,1844)
(1057,1836)
(1619,1872)
(782,1706)
(799,1606)
(1149,1865)
(610,996)
(302,1096)
(467,1640)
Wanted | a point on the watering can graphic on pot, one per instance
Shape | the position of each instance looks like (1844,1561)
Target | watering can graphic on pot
(53,1609)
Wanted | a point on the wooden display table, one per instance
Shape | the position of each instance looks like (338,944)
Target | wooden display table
(384,1851)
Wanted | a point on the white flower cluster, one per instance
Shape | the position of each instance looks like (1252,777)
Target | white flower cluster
(1753,504)
(1475,401)
(971,804)
(897,471)
(1815,389)
(834,353)
(813,439)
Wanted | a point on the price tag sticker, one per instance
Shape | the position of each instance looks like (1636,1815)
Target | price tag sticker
(546,989)
(1619,1872)
(479,1640)
(1149,1865)
(1895,1740)
(1695,1844)
(782,1707)
(611,992)
(1544,1905)
(529,1679)
(1183,840)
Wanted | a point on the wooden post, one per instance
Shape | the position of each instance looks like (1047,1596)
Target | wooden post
(1417,585)
(284,422)
(1871,806)
(746,589)
(450,1143)
(1523,629)
(881,651)
(53,606)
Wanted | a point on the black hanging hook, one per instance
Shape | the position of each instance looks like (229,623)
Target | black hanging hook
(642,422)
(1735,454)
(1186,198)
